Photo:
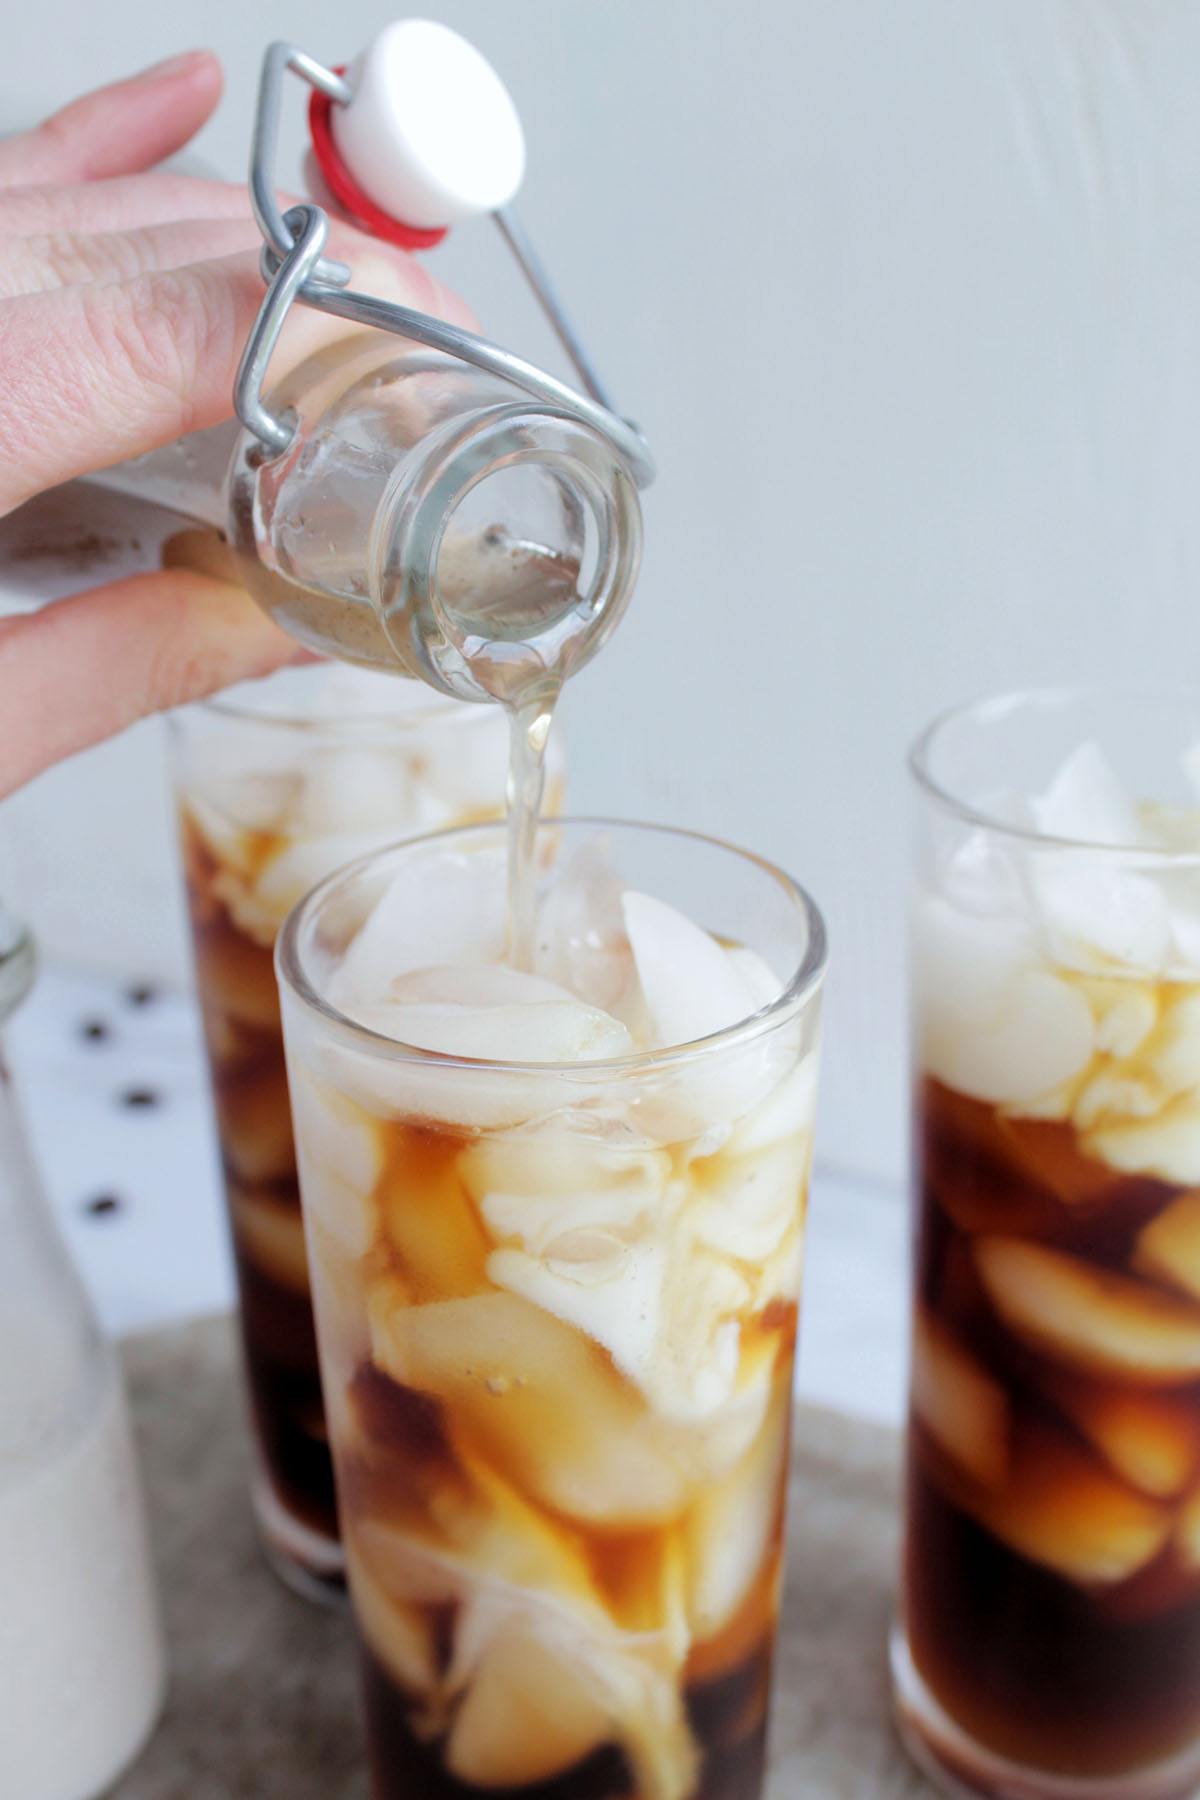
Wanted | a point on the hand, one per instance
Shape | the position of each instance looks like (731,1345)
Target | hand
(126,295)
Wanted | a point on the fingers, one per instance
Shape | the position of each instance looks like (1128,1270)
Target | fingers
(121,204)
(92,375)
(63,259)
(117,130)
(85,668)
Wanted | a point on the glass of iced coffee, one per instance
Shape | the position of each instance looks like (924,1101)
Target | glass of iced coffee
(554,1220)
(1048,1638)
(279,783)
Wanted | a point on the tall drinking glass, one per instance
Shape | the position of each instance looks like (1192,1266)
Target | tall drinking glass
(556,1277)
(1048,1639)
(278,783)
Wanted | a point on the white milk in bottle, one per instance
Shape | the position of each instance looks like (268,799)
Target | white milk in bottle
(82,1664)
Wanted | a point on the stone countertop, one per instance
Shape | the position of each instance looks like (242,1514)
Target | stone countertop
(263,1697)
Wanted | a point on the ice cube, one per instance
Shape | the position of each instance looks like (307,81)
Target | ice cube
(691,987)
(540,1402)
(423,1091)
(430,1223)
(480,1538)
(253,920)
(1151,1440)
(964,1410)
(608,1290)
(340,1157)
(745,1205)
(627,1687)
(1109,1098)
(696,1103)
(532,1187)
(270,1234)
(344,1213)
(718,1440)
(1098,915)
(788,1111)
(463,761)
(1086,802)
(1174,1054)
(778,1278)
(1087,1317)
(1184,900)
(242,783)
(694,1373)
(665,1313)
(964,966)
(399,1634)
(1040,1036)
(347,787)
(1126,1013)
(982,876)
(229,844)
(495,1014)
(1167,1146)
(1065,1511)
(761,982)
(527,1715)
(736,1523)
(337,1135)
(1168,1248)
(439,907)
(284,879)
(581,941)
(256,1126)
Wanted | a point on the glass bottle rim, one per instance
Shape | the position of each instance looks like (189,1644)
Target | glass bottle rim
(796,994)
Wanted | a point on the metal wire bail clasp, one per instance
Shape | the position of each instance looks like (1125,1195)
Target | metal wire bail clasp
(285,278)
(295,269)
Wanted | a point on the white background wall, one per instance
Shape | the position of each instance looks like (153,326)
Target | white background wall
(907,296)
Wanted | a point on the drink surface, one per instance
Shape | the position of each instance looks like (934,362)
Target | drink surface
(1051,1589)
(557,1309)
(325,765)
(80,1643)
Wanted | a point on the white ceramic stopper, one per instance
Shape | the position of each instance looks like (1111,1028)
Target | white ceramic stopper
(431,135)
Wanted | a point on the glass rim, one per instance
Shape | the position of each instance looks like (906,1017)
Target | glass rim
(800,988)
(986,708)
(435,709)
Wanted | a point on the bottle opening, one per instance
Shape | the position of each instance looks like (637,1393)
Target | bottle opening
(505,566)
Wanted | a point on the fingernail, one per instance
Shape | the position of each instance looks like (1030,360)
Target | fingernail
(172,65)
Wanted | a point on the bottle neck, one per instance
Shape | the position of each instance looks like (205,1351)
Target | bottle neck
(187,476)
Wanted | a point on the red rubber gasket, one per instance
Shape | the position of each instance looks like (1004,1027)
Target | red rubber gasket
(346,190)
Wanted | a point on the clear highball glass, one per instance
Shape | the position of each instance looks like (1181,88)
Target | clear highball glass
(278,783)
(1048,1637)
(557,1308)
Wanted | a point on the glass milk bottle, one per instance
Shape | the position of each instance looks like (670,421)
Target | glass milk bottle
(82,1664)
